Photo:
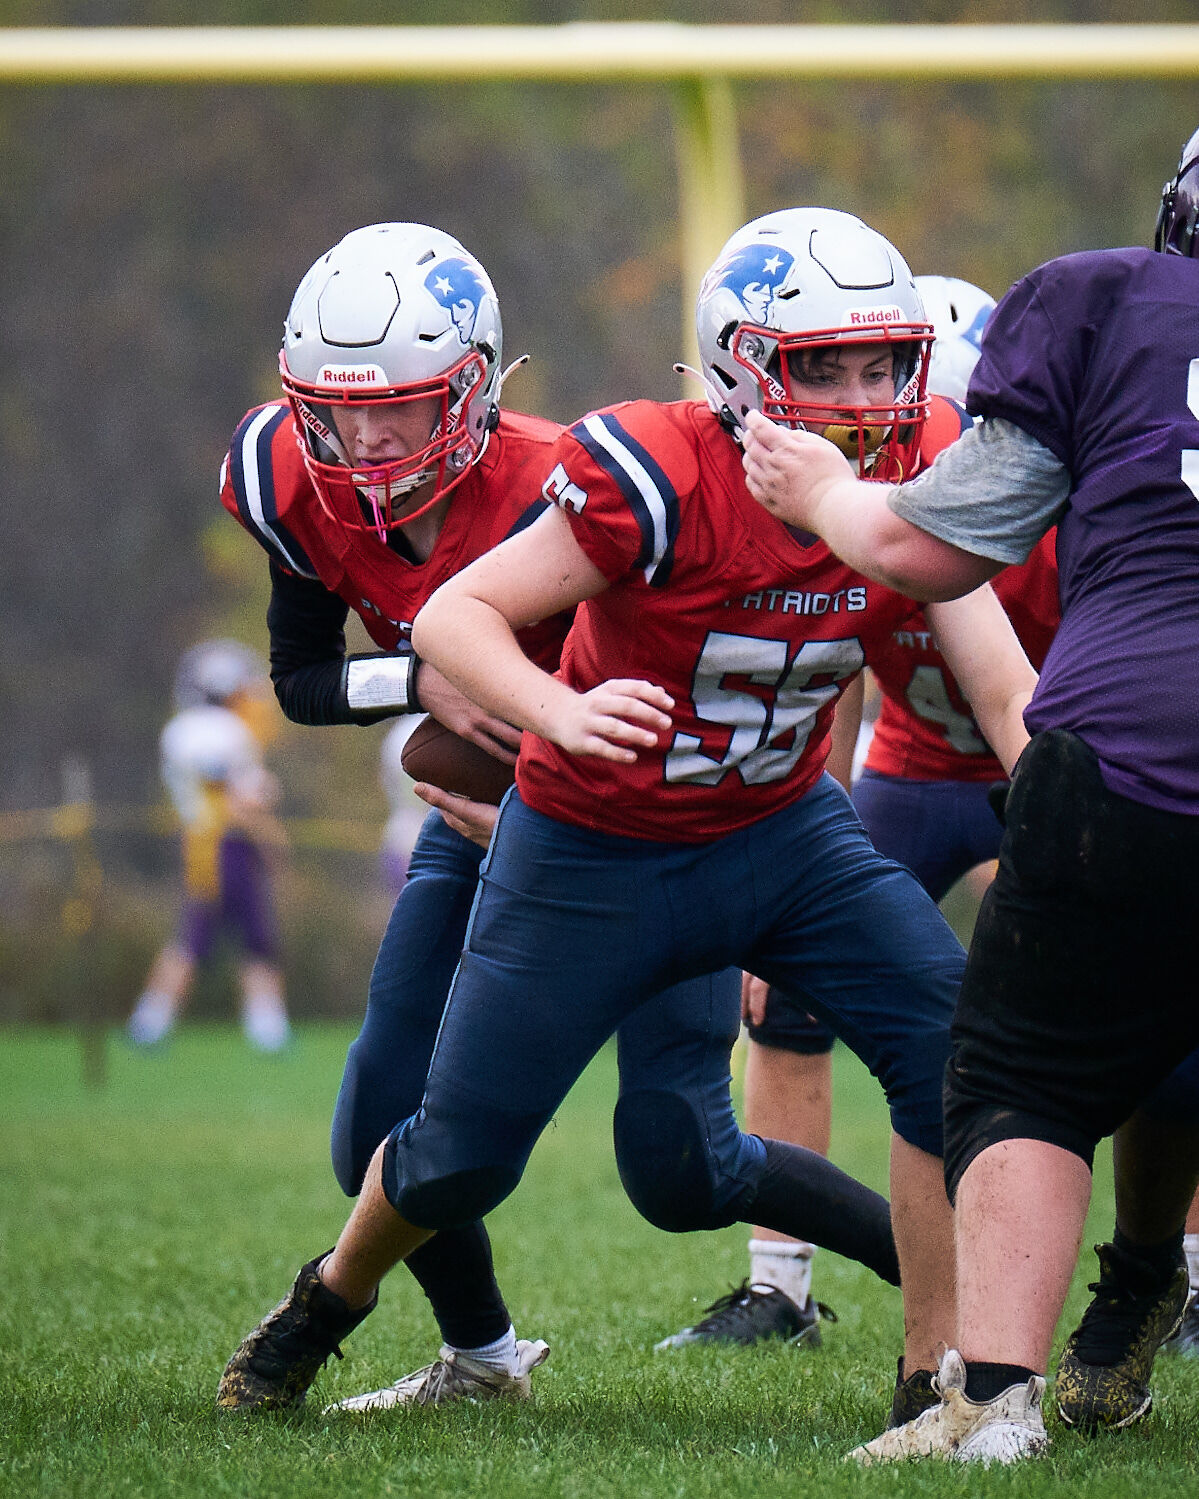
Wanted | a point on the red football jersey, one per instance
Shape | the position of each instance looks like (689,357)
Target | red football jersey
(753,628)
(925,729)
(265,485)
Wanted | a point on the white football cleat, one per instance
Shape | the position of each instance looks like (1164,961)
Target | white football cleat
(454,1376)
(966,1431)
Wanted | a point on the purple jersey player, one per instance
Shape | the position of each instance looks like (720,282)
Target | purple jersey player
(1071,1010)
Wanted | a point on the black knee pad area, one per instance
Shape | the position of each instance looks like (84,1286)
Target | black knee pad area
(971,1127)
(453,1200)
(664,1164)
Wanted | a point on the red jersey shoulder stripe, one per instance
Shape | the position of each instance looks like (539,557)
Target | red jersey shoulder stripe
(252,480)
(649,493)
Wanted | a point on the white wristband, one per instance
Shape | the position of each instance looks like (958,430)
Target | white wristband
(375,682)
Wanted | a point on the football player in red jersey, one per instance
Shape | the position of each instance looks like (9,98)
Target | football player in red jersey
(389,467)
(923,801)
(671,816)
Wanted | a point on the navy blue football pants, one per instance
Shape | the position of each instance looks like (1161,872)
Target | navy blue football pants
(684,1040)
(577,934)
(674,1105)
(385,1071)
(938,830)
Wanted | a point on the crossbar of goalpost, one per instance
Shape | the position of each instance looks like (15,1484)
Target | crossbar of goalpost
(700,62)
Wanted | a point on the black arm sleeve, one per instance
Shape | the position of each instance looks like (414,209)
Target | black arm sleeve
(306,624)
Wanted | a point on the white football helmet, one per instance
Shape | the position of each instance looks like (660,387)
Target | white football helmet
(393,313)
(807,279)
(958,311)
(210,673)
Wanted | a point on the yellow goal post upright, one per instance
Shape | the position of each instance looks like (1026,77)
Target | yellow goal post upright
(698,62)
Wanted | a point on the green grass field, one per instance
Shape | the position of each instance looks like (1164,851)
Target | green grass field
(147,1224)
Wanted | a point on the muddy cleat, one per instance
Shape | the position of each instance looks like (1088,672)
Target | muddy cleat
(749,1314)
(965,1431)
(274,1366)
(912,1397)
(1103,1373)
(454,1376)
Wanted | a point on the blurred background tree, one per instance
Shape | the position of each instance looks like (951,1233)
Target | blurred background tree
(150,240)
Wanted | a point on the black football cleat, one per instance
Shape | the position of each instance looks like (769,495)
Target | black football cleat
(1103,1374)
(913,1396)
(274,1366)
(750,1314)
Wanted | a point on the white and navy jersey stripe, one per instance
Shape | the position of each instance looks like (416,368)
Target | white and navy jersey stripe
(649,493)
(252,478)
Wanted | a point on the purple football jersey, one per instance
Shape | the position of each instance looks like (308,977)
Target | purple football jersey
(1097,357)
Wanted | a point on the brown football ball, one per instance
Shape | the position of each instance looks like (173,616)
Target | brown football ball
(436,754)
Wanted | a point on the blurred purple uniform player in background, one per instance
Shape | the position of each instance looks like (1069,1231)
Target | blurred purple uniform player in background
(211,761)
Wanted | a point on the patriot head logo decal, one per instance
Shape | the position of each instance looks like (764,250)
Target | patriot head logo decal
(456,285)
(754,274)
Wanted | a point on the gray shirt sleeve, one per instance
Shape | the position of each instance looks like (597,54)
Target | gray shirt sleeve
(994,492)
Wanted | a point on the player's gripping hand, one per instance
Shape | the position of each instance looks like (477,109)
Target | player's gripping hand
(615,720)
(443,700)
(789,473)
(474,820)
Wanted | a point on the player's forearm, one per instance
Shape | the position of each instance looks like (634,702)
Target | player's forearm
(1007,735)
(990,666)
(471,643)
(315,681)
(854,518)
(847,723)
(1000,716)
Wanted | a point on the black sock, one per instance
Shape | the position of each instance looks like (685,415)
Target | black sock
(1147,1267)
(985,1381)
(455,1272)
(806,1197)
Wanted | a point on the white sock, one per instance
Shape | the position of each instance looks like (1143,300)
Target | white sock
(785,1264)
(152,1019)
(264,1021)
(500,1355)
(1190,1247)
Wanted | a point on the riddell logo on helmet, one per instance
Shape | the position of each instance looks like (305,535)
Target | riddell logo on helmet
(872,317)
(351,374)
